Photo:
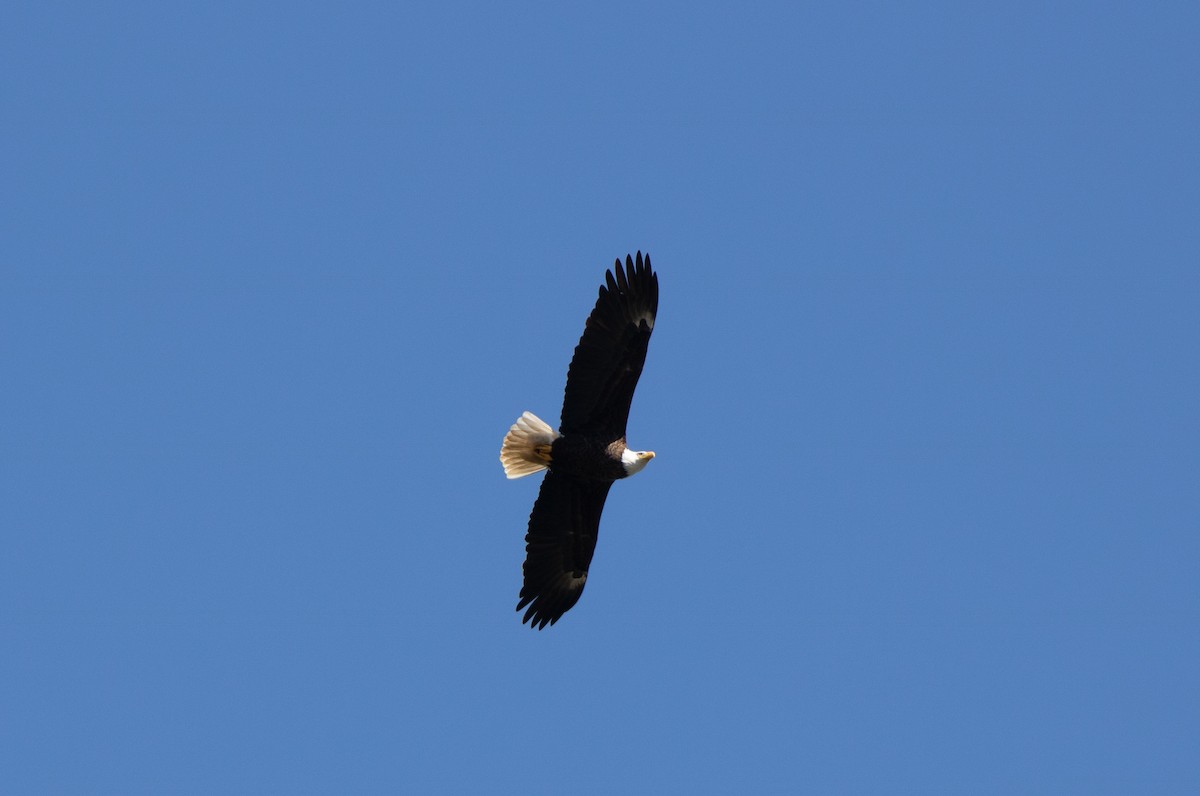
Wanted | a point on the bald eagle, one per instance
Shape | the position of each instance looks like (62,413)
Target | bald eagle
(588,451)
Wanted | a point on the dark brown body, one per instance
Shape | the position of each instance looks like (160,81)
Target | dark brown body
(588,458)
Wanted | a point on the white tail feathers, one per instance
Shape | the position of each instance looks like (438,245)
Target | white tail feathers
(526,448)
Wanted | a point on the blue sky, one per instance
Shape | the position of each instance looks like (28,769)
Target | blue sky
(274,281)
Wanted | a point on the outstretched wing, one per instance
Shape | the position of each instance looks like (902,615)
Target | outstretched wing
(610,355)
(559,546)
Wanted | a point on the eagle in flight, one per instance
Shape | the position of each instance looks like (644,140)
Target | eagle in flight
(588,452)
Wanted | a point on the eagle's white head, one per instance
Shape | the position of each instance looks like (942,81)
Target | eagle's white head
(635,460)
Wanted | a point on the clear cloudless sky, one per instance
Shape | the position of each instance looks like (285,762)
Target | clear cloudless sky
(276,278)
